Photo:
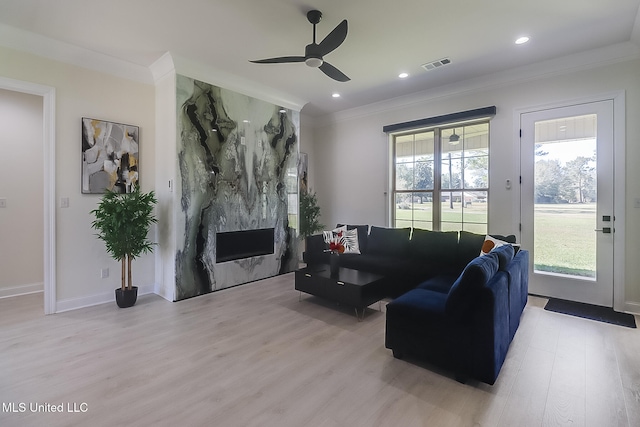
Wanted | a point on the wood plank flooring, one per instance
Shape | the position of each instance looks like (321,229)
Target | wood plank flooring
(255,355)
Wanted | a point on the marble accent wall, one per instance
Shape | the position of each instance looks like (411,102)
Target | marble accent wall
(237,162)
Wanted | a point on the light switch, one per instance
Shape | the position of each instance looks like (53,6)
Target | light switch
(64,202)
(3,202)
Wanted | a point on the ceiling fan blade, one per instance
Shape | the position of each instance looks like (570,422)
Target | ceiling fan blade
(334,38)
(280,60)
(333,72)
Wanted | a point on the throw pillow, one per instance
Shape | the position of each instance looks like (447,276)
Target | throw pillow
(350,241)
(491,243)
(334,237)
(363,235)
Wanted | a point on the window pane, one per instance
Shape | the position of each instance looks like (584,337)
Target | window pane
(404,148)
(476,139)
(423,176)
(564,195)
(422,207)
(404,176)
(476,172)
(451,226)
(451,173)
(475,207)
(451,143)
(424,143)
(403,206)
(451,206)
(475,228)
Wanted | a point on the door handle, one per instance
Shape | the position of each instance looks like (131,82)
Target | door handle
(605,230)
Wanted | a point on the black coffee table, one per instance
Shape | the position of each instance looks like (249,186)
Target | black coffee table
(358,289)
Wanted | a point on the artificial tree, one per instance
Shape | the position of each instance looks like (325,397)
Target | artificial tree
(123,222)
(309,214)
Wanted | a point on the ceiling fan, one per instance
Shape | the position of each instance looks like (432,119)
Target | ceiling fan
(314,53)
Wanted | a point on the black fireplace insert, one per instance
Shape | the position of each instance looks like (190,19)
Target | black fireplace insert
(233,245)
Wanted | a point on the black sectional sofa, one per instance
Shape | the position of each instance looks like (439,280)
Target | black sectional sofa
(450,306)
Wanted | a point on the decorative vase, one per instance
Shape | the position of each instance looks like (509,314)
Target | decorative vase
(334,263)
(126,298)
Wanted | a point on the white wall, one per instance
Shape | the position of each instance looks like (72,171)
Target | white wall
(21,184)
(84,93)
(166,155)
(351,151)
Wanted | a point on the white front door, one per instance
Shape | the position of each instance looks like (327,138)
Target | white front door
(567,217)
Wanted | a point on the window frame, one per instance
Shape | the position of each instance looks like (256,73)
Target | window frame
(438,159)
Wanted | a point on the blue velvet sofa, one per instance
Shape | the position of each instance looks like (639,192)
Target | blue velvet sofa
(465,325)
(450,306)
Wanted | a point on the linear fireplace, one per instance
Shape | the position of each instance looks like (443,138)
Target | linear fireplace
(234,245)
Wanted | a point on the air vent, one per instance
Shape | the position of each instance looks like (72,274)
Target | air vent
(436,64)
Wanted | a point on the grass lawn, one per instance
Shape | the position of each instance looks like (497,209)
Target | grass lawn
(564,239)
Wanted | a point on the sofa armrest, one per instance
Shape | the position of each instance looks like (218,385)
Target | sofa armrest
(491,328)
(315,250)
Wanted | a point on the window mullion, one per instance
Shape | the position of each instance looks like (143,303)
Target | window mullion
(437,179)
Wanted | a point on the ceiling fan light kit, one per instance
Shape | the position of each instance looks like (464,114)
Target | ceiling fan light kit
(314,53)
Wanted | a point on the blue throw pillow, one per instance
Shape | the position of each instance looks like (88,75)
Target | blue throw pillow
(505,255)
(474,276)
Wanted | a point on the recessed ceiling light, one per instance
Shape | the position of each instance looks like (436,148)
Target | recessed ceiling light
(522,40)
(283,111)
(336,95)
(403,75)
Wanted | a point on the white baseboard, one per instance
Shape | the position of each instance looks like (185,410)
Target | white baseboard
(632,308)
(14,291)
(158,290)
(75,303)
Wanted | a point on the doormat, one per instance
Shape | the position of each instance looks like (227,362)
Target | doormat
(593,312)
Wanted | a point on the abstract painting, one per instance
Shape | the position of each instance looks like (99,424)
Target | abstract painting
(109,156)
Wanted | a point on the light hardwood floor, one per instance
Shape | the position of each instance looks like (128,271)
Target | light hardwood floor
(255,355)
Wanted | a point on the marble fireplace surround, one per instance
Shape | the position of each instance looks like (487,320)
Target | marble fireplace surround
(237,172)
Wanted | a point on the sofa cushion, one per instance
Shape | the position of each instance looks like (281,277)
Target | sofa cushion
(441,283)
(392,242)
(505,255)
(464,290)
(418,305)
(437,247)
(363,235)
(469,246)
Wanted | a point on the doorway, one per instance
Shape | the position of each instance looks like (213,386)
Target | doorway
(48,149)
(569,216)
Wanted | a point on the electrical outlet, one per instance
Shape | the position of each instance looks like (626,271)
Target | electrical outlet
(104,273)
(64,202)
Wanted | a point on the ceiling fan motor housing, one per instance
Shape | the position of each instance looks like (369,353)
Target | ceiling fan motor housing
(312,55)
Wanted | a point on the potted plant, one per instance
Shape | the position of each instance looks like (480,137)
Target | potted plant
(309,214)
(123,222)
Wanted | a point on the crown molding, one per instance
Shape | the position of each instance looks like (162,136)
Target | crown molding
(56,50)
(595,58)
(214,76)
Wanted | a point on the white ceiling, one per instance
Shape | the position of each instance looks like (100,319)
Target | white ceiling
(385,38)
